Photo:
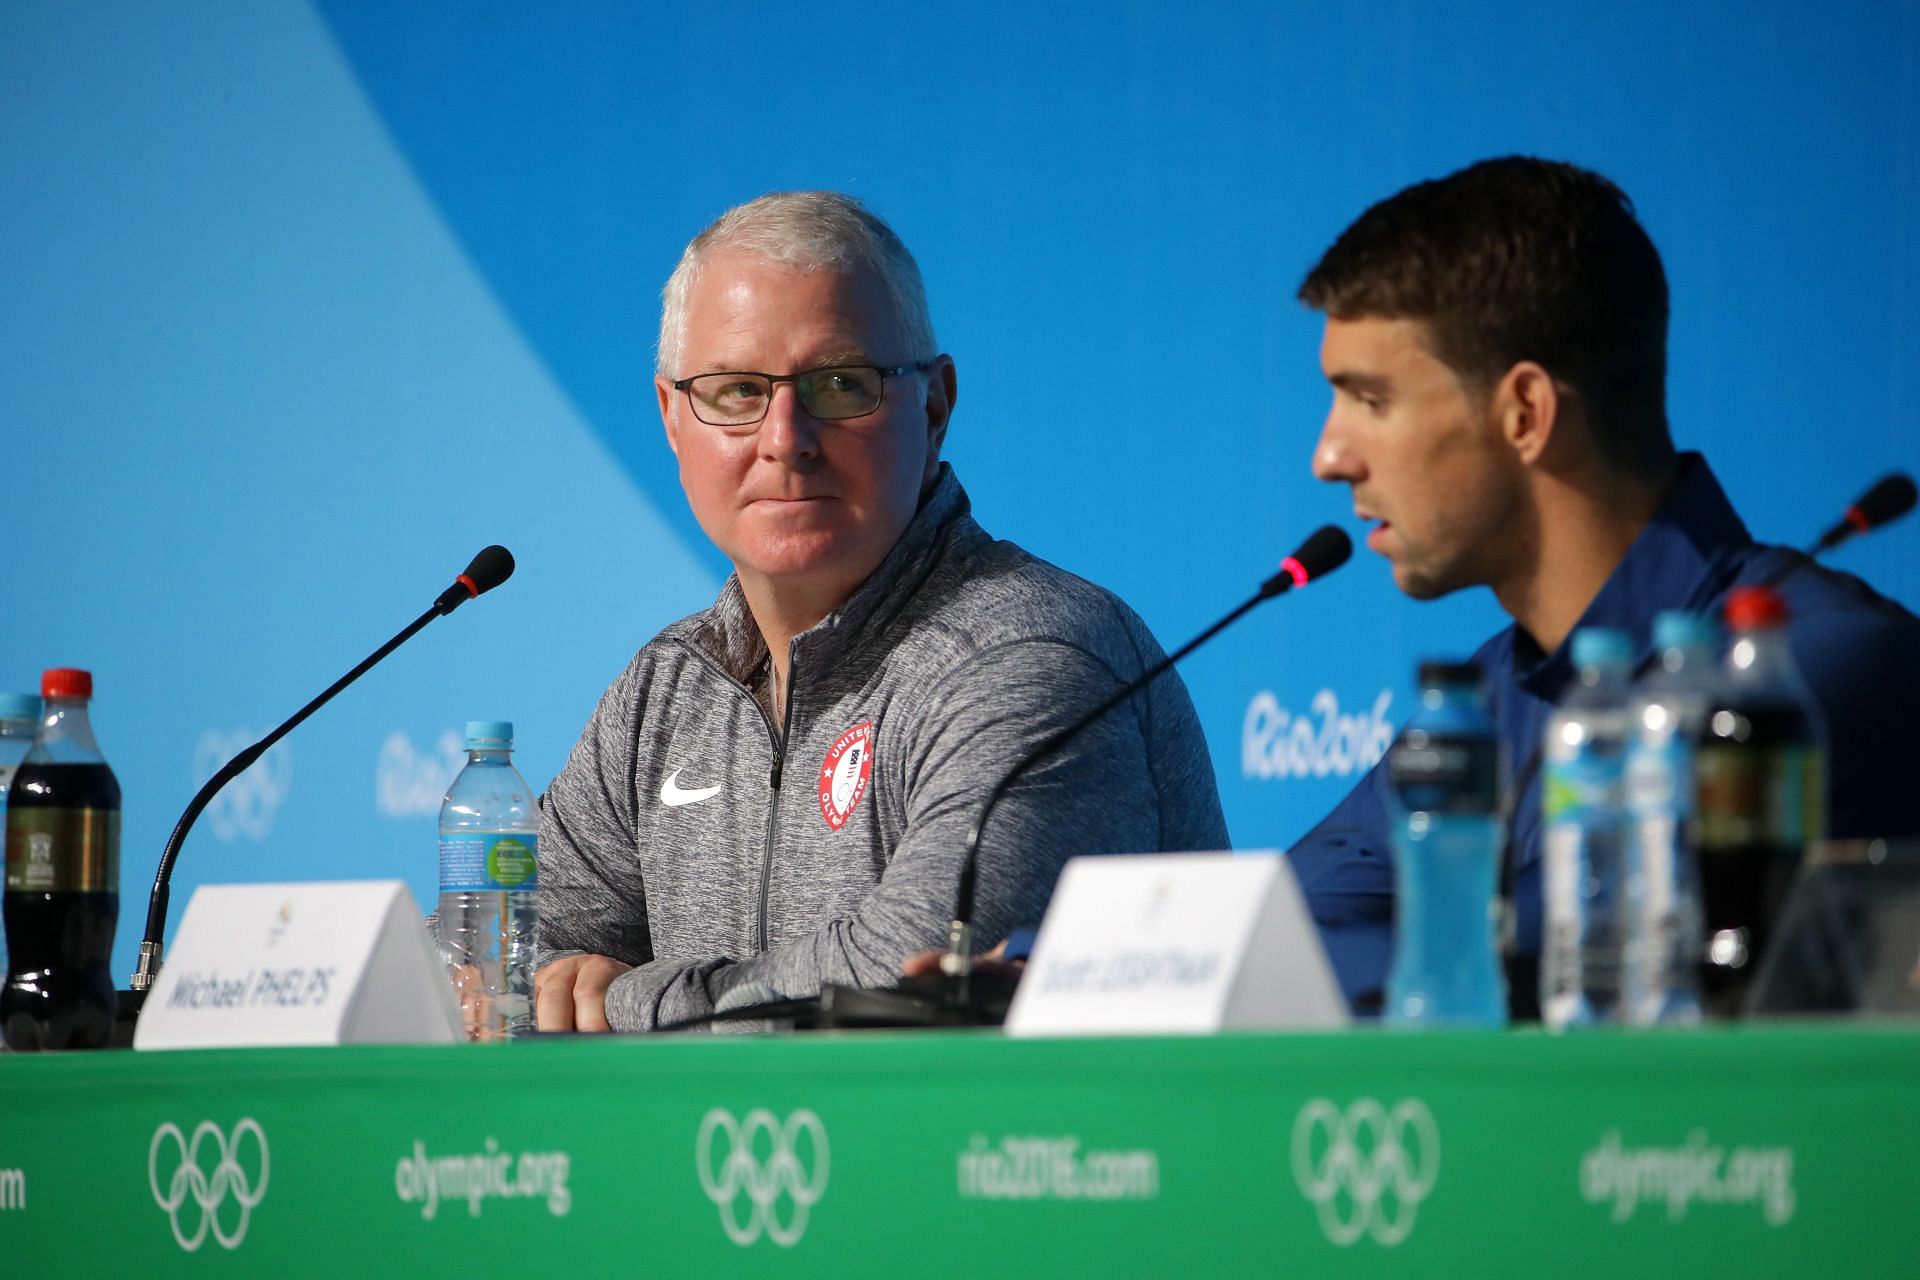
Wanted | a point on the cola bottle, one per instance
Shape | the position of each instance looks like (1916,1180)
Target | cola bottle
(63,879)
(1761,779)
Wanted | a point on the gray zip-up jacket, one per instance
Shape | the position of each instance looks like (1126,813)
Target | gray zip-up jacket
(733,864)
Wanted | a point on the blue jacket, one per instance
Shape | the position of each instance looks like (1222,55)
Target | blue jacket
(1859,653)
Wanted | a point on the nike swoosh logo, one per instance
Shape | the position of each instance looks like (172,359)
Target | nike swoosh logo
(674,795)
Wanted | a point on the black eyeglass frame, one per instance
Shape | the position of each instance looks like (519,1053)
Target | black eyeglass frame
(773,380)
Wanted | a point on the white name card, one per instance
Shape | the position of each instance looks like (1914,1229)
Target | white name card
(1183,944)
(345,962)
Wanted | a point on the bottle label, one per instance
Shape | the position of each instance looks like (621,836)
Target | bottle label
(1660,779)
(1761,795)
(1799,798)
(63,850)
(1445,774)
(489,861)
(1589,787)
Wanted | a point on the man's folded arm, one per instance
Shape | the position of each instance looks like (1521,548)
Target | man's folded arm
(592,898)
(1095,795)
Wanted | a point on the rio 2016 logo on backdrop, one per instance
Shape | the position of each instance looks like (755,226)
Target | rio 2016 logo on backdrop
(245,808)
(1324,743)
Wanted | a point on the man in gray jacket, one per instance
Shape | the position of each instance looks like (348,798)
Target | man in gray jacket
(776,792)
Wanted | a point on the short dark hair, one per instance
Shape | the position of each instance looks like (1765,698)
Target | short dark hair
(1521,259)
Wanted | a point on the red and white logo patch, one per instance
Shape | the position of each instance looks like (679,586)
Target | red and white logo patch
(843,778)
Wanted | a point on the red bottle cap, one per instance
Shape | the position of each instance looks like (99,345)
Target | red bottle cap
(1750,608)
(66,682)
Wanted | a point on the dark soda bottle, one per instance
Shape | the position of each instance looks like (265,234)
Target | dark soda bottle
(1760,780)
(63,880)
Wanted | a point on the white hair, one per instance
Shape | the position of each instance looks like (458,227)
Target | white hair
(810,231)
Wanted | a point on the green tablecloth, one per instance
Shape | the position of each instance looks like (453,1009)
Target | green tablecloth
(1768,1151)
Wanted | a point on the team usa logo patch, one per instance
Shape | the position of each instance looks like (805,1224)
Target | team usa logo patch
(843,778)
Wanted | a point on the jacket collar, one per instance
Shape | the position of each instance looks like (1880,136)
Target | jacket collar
(1682,559)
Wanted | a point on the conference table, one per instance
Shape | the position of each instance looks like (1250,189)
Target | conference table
(1765,1149)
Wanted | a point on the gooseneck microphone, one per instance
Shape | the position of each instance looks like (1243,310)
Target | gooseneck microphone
(1891,497)
(1324,551)
(950,997)
(493,566)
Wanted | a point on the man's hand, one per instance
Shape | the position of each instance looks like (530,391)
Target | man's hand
(476,1006)
(921,963)
(571,994)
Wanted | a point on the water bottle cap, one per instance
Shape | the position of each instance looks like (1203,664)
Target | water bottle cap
(489,735)
(19,706)
(1751,608)
(1601,647)
(1684,629)
(1437,673)
(66,682)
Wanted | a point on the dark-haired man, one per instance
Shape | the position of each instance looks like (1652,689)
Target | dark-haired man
(1496,341)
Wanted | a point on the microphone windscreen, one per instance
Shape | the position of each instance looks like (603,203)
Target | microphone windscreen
(1888,500)
(493,566)
(1326,549)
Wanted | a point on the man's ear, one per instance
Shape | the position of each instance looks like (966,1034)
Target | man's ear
(1529,407)
(663,387)
(943,389)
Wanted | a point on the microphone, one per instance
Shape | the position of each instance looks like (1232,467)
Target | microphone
(1891,497)
(1321,553)
(949,998)
(1326,549)
(493,566)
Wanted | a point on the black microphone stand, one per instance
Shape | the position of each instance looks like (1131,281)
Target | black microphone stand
(957,995)
(152,944)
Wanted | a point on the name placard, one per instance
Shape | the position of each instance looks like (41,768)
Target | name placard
(1188,943)
(345,962)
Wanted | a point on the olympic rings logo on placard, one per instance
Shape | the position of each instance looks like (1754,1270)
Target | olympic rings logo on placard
(765,1180)
(207,1190)
(1366,1169)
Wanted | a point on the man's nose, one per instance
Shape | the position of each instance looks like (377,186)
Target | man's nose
(1334,458)
(788,431)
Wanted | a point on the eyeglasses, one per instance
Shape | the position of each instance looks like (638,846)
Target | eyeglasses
(738,399)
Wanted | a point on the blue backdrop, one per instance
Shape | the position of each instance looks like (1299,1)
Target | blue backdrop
(303,304)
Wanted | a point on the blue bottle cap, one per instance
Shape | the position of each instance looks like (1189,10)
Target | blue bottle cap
(19,706)
(1683,629)
(1601,647)
(489,735)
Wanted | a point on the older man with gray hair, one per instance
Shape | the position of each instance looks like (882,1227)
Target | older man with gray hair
(776,793)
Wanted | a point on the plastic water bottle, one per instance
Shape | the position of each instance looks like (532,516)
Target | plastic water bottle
(1669,710)
(1761,767)
(1583,957)
(19,718)
(489,871)
(1446,851)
